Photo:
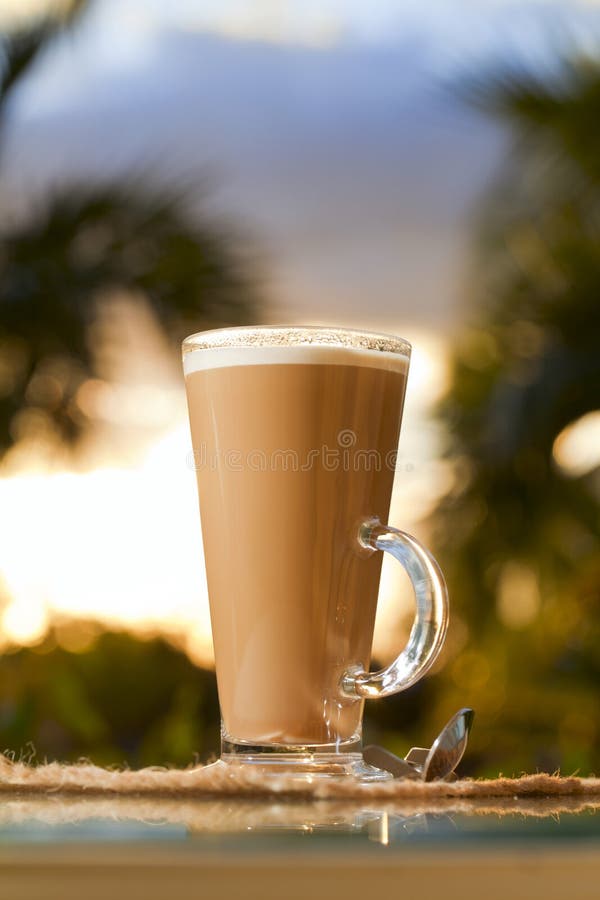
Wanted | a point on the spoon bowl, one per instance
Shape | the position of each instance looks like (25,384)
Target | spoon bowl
(449,747)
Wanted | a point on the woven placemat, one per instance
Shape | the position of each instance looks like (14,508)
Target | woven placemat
(217,781)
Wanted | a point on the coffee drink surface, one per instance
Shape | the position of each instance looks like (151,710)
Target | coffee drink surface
(294,448)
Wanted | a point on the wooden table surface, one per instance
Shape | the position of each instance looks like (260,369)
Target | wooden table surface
(50,850)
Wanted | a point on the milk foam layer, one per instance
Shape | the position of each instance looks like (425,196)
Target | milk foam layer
(294,354)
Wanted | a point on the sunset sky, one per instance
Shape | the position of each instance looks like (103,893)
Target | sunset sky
(350,161)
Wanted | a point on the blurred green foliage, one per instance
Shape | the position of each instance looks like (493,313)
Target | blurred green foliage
(518,534)
(112,698)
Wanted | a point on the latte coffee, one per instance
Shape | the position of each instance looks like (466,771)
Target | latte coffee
(294,447)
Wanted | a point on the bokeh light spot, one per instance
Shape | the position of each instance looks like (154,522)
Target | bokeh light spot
(576,450)
(518,598)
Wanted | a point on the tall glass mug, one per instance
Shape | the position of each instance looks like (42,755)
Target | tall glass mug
(295,434)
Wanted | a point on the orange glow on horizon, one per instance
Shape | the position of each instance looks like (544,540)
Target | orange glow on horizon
(121,544)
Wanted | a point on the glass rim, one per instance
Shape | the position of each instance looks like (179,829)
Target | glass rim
(265,336)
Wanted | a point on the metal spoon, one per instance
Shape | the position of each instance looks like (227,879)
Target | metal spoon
(428,764)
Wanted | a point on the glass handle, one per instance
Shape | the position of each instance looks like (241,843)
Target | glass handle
(431,619)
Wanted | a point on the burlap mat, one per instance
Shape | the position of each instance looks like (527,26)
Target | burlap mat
(218,799)
(215,781)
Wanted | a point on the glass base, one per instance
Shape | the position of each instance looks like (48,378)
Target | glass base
(304,763)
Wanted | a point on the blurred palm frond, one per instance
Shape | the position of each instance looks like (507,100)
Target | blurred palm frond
(556,112)
(88,243)
(19,49)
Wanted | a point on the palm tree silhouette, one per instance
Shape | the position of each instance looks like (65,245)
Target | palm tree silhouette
(78,245)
